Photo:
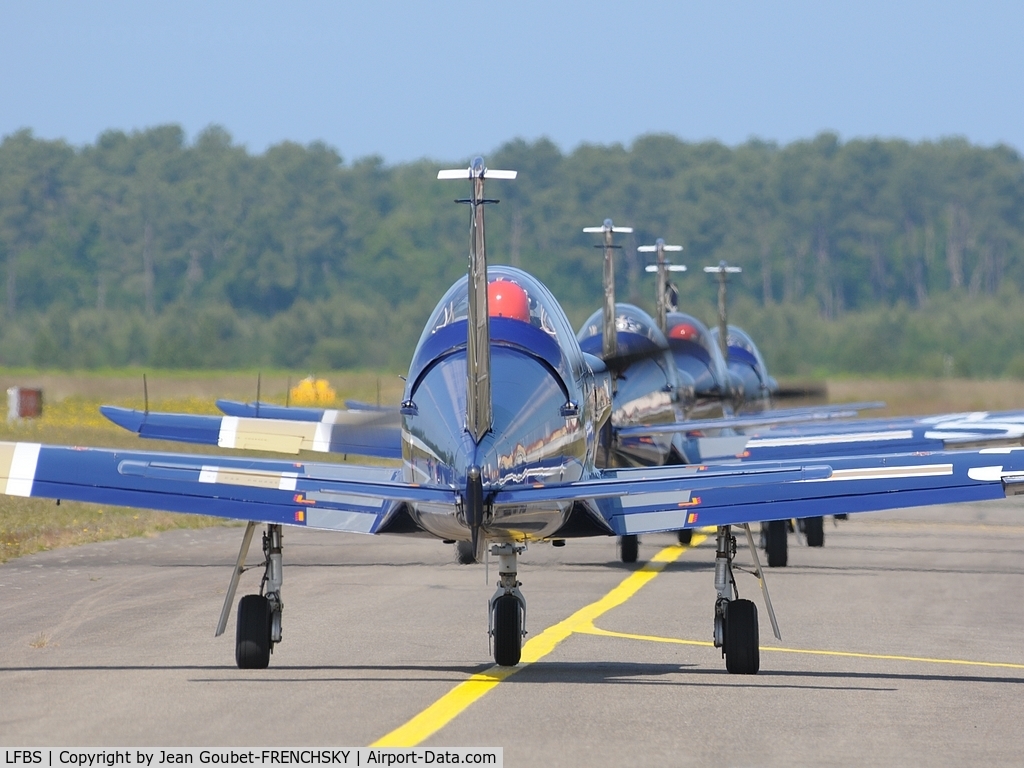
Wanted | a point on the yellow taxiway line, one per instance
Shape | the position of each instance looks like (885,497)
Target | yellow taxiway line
(592,630)
(452,704)
(448,707)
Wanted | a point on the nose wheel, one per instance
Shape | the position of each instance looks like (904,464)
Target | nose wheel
(507,608)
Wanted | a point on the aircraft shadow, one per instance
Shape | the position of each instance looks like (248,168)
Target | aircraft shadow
(804,569)
(543,673)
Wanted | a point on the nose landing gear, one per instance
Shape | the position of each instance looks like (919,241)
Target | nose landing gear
(507,608)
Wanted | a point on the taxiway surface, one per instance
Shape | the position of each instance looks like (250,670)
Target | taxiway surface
(903,643)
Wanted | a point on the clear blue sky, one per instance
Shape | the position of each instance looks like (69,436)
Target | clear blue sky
(447,80)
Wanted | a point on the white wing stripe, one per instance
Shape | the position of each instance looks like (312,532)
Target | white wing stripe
(886,473)
(322,437)
(854,437)
(23,469)
(986,474)
(228,432)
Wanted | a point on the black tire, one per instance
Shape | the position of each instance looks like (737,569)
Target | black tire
(814,530)
(629,548)
(464,554)
(252,636)
(776,543)
(508,631)
(685,535)
(742,647)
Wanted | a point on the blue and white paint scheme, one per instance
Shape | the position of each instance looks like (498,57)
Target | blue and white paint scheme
(500,463)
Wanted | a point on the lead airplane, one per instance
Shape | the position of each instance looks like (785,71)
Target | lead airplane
(500,430)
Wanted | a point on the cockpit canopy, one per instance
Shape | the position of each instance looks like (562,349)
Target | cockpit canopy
(745,359)
(520,296)
(696,352)
(637,334)
(523,314)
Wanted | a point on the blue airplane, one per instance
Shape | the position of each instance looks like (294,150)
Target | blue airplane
(500,436)
(672,372)
(651,405)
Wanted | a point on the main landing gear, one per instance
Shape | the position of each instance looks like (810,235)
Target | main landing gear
(259,616)
(813,529)
(735,619)
(464,553)
(629,545)
(774,537)
(507,608)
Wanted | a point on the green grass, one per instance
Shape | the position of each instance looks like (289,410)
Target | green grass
(71,417)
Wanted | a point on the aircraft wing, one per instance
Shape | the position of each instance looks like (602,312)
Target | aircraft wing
(669,498)
(931,433)
(353,409)
(364,499)
(748,421)
(811,441)
(364,433)
(315,495)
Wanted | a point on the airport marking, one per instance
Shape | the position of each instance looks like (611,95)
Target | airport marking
(436,716)
(452,704)
(593,630)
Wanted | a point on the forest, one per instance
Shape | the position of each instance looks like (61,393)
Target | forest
(149,249)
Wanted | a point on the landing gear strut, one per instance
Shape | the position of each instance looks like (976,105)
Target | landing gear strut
(259,616)
(507,608)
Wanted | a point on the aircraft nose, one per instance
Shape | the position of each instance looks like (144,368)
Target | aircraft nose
(529,426)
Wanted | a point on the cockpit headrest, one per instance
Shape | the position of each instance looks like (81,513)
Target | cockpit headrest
(507,299)
(684,331)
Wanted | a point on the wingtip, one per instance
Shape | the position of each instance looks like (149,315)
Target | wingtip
(126,418)
(233,408)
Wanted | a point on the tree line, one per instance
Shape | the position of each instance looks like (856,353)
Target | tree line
(146,248)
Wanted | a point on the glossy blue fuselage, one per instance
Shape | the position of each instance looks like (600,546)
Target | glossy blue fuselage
(548,404)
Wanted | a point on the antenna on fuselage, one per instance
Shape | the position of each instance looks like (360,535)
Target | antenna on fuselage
(478,345)
(609,336)
(723,271)
(663,267)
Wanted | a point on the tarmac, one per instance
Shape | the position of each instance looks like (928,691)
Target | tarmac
(902,645)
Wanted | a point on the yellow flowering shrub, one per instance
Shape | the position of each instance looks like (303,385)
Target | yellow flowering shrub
(312,391)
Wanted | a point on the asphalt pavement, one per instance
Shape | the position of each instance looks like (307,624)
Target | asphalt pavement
(902,645)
